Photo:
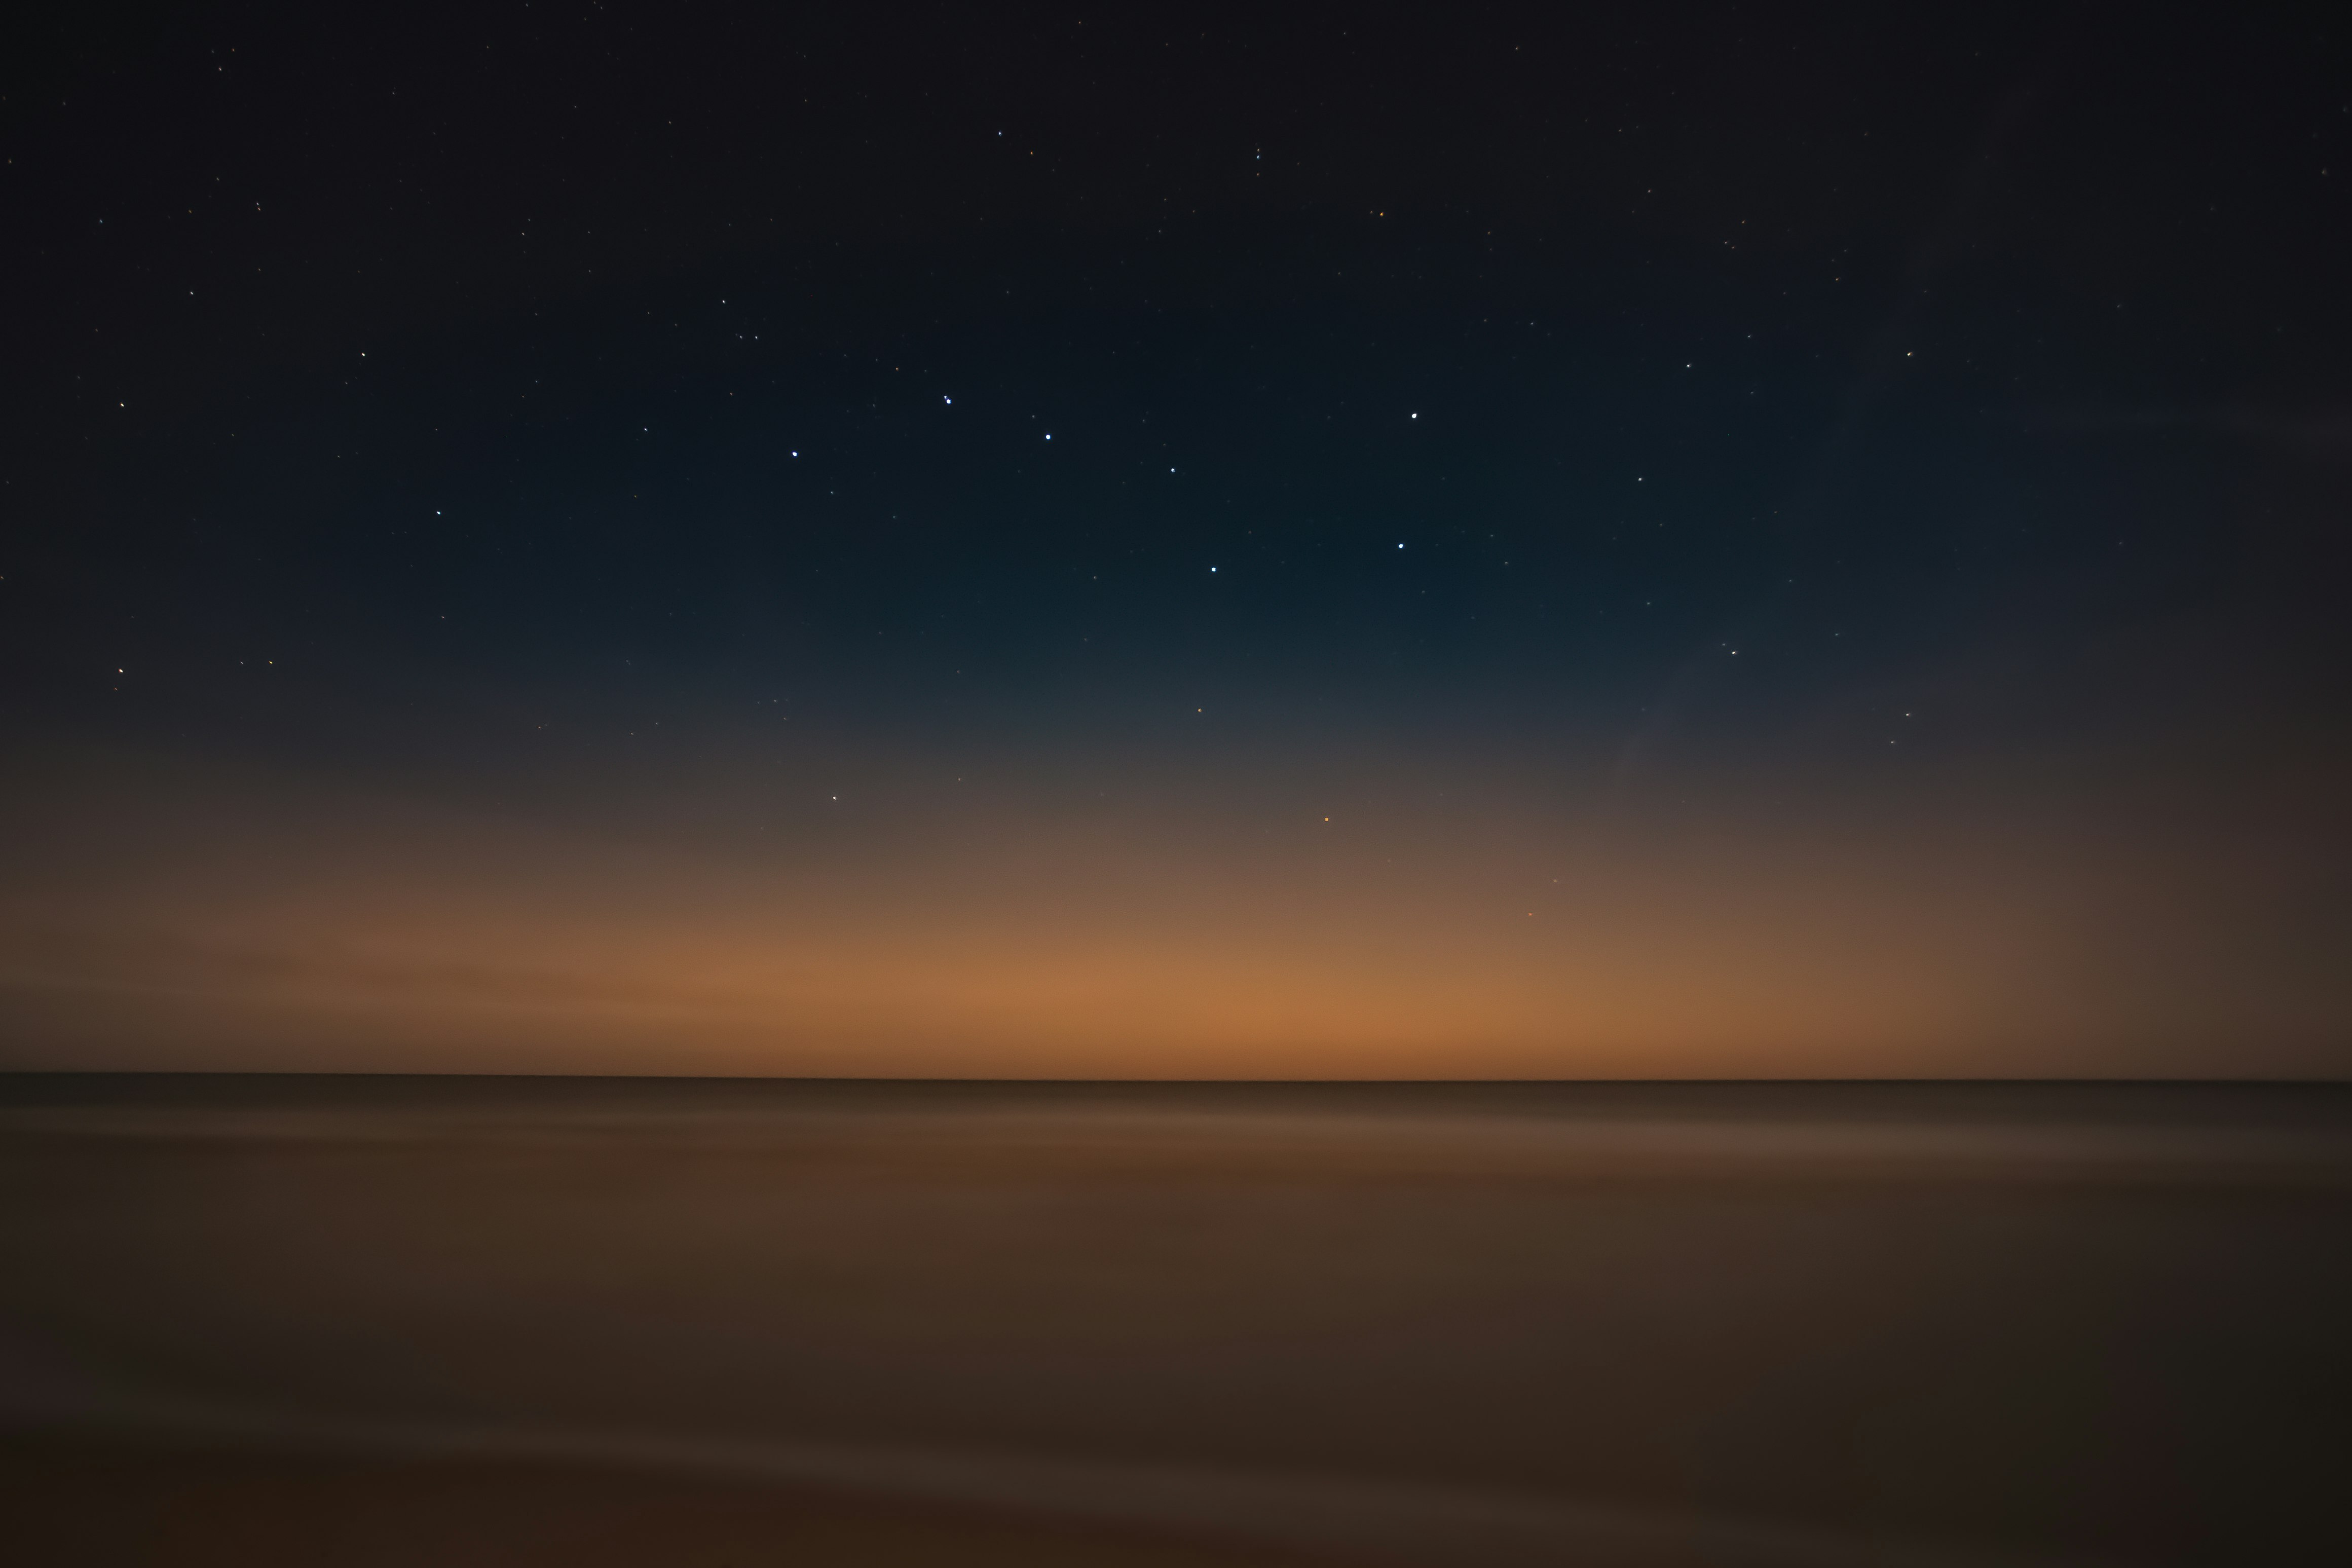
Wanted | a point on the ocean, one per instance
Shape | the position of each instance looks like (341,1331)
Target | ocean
(459,1320)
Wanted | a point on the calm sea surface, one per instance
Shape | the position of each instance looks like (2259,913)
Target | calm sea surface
(1377,1323)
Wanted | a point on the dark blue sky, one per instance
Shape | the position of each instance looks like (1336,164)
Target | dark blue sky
(492,408)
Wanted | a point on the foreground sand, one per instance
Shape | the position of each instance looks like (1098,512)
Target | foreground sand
(480,1322)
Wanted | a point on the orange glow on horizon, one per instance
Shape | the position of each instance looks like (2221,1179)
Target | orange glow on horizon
(276,926)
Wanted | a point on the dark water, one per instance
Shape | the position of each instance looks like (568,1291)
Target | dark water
(1380,1324)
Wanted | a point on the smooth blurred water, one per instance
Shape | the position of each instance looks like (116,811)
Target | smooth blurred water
(1410,1323)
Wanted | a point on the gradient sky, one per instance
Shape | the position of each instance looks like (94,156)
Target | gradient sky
(601,537)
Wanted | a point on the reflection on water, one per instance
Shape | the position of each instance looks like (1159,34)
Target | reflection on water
(1380,1324)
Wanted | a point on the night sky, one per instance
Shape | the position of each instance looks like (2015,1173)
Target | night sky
(1268,543)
